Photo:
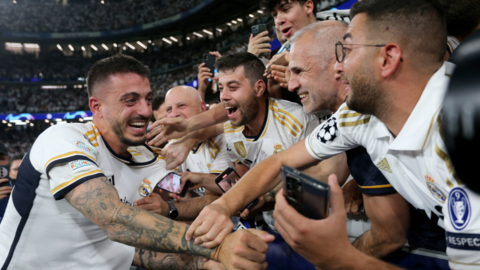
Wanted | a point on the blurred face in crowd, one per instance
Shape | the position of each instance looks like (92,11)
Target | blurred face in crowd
(160,112)
(238,96)
(313,77)
(3,159)
(357,68)
(291,16)
(14,168)
(126,107)
(183,102)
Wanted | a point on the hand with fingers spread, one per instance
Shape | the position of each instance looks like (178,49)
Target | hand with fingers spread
(353,197)
(153,203)
(211,226)
(244,249)
(166,129)
(4,191)
(259,44)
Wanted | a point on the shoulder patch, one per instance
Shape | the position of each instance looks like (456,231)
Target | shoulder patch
(459,208)
(87,148)
(328,132)
(77,164)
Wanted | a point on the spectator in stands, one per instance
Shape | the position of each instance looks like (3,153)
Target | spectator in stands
(4,190)
(14,165)
(158,108)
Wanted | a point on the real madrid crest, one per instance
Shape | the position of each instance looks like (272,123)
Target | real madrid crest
(240,149)
(145,188)
(436,192)
(459,208)
(278,148)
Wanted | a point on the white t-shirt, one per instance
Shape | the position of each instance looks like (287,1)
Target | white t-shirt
(416,163)
(41,230)
(285,124)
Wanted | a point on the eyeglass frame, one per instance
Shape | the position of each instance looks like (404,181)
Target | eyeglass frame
(339,43)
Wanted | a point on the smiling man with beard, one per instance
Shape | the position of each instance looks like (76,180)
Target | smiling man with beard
(259,126)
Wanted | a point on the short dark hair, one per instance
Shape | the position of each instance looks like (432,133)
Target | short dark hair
(417,24)
(117,64)
(16,157)
(269,5)
(157,102)
(252,66)
(463,16)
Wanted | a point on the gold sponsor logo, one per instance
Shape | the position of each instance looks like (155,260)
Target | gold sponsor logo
(240,149)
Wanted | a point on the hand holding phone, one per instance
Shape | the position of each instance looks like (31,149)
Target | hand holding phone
(171,183)
(306,194)
(259,45)
(227,179)
(209,61)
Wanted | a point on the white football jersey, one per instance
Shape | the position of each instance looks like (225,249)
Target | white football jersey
(416,163)
(210,156)
(285,124)
(41,230)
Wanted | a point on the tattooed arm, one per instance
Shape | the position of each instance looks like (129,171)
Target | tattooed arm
(98,200)
(168,261)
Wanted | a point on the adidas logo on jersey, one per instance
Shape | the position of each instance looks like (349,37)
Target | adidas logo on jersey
(383,165)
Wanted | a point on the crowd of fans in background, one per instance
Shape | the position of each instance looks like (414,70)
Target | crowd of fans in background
(51,16)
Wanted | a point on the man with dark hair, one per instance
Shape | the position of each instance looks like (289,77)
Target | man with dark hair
(391,61)
(259,126)
(14,165)
(80,181)
(462,17)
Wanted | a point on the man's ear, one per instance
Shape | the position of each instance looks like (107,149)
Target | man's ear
(390,58)
(260,88)
(203,106)
(95,103)
(308,6)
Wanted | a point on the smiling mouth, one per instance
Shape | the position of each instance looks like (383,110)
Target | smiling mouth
(303,95)
(231,110)
(138,125)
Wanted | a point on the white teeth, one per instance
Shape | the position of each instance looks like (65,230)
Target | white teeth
(303,95)
(138,124)
(228,108)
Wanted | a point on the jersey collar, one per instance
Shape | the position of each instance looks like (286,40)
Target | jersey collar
(254,138)
(131,162)
(421,121)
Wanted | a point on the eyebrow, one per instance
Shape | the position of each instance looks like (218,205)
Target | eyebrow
(347,35)
(134,94)
(230,82)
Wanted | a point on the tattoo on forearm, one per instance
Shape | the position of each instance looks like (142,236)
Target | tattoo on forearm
(98,200)
(155,260)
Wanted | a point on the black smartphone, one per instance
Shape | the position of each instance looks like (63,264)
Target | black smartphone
(227,179)
(4,174)
(257,29)
(171,183)
(209,61)
(306,194)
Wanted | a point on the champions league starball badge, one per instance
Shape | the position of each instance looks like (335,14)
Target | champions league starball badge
(328,132)
(459,208)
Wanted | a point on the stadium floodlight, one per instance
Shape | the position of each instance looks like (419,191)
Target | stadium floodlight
(13,44)
(31,124)
(71,47)
(229,24)
(130,45)
(115,45)
(250,15)
(9,123)
(20,123)
(83,48)
(105,46)
(94,47)
(219,30)
(188,38)
(208,32)
(167,41)
(31,46)
(80,119)
(197,34)
(259,11)
(3,121)
(234,22)
(14,1)
(149,41)
(141,45)
(47,121)
(60,47)
(103,2)
(240,20)
(174,39)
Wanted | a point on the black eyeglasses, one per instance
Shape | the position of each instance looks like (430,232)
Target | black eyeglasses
(341,50)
